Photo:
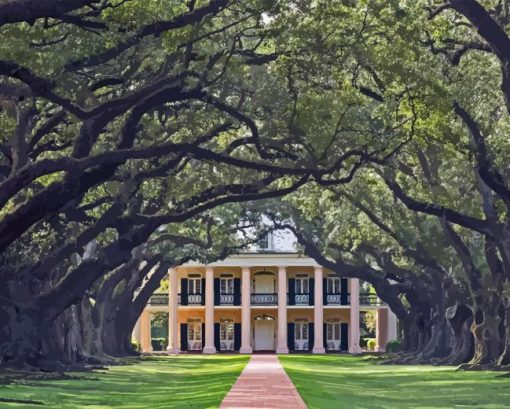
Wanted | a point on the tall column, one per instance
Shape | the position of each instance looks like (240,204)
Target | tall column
(282,347)
(173,310)
(381,329)
(137,333)
(392,334)
(145,329)
(318,313)
(354,347)
(209,347)
(246,312)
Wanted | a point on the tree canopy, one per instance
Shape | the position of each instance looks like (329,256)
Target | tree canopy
(138,135)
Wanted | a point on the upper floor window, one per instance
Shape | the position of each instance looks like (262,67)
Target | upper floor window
(226,284)
(266,242)
(333,285)
(302,285)
(194,284)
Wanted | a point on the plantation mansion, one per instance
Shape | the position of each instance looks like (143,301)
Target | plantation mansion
(263,301)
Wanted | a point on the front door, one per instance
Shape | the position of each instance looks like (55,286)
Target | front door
(264,335)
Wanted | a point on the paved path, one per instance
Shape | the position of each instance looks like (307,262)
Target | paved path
(263,384)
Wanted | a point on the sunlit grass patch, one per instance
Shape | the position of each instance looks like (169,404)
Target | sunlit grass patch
(341,381)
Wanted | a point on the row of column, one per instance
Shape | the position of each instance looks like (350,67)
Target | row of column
(246,348)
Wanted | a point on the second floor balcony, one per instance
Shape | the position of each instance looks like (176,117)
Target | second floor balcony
(158,299)
(269,299)
(264,299)
(337,299)
(370,300)
(226,299)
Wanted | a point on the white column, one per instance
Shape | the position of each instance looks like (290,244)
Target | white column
(392,326)
(137,333)
(209,347)
(354,347)
(173,311)
(282,347)
(246,312)
(318,313)
(381,329)
(145,329)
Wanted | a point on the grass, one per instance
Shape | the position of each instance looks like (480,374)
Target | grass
(153,382)
(333,381)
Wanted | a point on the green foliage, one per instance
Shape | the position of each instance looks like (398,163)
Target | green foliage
(393,346)
(371,343)
(159,325)
(136,345)
(159,344)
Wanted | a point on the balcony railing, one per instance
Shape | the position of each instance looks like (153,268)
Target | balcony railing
(264,299)
(365,299)
(226,299)
(338,299)
(302,299)
(370,300)
(158,299)
(194,299)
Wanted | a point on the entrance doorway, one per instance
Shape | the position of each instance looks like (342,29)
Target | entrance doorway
(264,333)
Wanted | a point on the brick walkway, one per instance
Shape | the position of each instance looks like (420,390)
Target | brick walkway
(263,384)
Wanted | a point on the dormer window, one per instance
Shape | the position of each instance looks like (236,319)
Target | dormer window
(266,242)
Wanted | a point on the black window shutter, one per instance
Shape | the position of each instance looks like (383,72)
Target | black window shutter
(343,291)
(216,291)
(324,291)
(292,291)
(237,291)
(311,286)
(184,291)
(325,336)
(203,291)
(311,336)
(291,327)
(237,336)
(344,336)
(217,342)
(184,337)
(203,335)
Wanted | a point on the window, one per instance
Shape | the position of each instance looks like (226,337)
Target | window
(226,285)
(194,330)
(333,331)
(302,284)
(227,330)
(333,285)
(194,284)
(301,331)
(263,243)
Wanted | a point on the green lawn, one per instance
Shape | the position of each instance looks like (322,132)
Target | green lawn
(332,381)
(154,382)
